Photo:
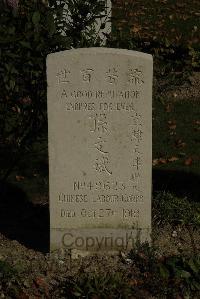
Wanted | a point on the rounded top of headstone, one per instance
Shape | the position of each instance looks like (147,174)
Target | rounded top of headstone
(102,50)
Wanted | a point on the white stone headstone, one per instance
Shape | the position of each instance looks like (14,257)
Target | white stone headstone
(100,148)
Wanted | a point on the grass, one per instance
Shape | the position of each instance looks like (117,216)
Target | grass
(169,209)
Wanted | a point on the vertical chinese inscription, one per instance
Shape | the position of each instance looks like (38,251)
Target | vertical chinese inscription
(100,130)
(136,140)
(99,118)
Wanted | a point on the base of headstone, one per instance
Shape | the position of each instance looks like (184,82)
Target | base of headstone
(85,241)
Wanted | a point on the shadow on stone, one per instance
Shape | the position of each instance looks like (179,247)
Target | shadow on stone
(23,221)
(179,183)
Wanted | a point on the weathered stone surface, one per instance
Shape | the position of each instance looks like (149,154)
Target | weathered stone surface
(100,140)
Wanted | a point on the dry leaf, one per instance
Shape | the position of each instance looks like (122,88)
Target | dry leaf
(162,161)
(23,295)
(168,108)
(26,100)
(136,29)
(179,143)
(19,178)
(159,161)
(172,159)
(188,161)
(196,122)
(172,124)
(41,283)
(172,127)
(135,282)
(155,162)
(172,133)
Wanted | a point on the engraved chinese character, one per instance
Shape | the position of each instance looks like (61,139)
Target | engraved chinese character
(87,75)
(135,176)
(112,76)
(99,123)
(135,76)
(136,135)
(136,188)
(63,76)
(136,150)
(136,119)
(101,165)
(99,145)
(137,163)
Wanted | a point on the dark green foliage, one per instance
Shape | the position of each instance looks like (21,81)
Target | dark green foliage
(82,16)
(27,35)
(143,256)
(168,276)
(6,271)
(101,286)
(195,57)
(10,282)
(184,271)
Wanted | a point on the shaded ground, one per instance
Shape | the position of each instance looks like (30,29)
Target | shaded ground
(166,21)
(23,220)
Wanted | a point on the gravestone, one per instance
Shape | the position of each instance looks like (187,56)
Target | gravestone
(100,140)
